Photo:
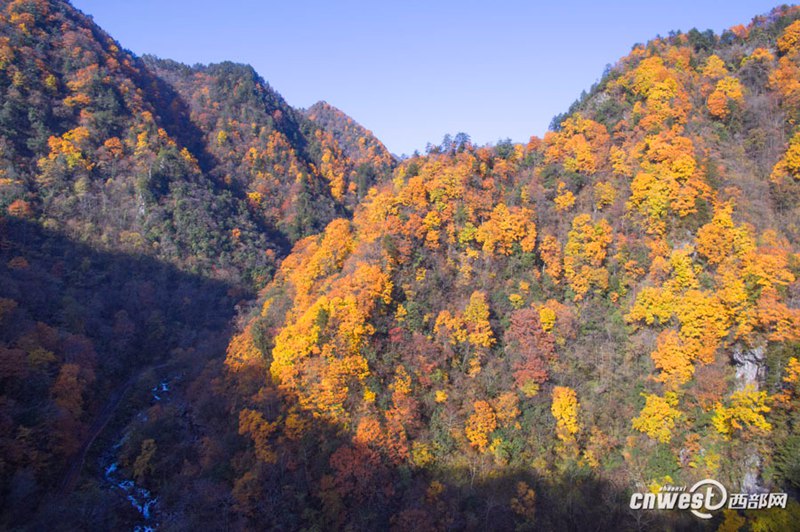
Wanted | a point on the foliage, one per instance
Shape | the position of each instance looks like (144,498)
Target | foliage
(423,328)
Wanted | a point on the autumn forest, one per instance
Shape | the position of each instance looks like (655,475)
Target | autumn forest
(220,312)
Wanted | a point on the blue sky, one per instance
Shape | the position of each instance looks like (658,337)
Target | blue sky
(412,71)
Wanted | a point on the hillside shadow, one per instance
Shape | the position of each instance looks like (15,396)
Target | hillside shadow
(64,306)
(138,314)
(324,480)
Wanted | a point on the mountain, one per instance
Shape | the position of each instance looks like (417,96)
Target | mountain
(524,334)
(297,173)
(142,201)
(206,167)
(501,337)
(90,149)
(358,144)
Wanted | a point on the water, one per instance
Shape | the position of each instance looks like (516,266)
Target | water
(140,498)
(160,389)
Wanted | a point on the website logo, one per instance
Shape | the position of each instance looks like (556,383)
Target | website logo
(704,497)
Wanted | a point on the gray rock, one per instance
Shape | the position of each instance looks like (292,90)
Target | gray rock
(749,362)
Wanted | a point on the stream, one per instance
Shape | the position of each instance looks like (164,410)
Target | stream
(142,499)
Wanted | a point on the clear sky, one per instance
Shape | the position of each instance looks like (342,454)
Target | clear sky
(412,71)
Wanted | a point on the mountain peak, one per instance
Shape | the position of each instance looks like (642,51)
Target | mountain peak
(357,142)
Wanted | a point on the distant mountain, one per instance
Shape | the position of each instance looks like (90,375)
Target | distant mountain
(294,171)
(357,143)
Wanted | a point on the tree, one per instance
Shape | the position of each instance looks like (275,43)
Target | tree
(720,238)
(790,40)
(673,359)
(143,465)
(564,199)
(715,67)
(242,350)
(476,320)
(69,387)
(728,91)
(67,155)
(506,408)
(581,145)
(550,251)
(604,194)
(480,424)
(470,329)
(651,304)
(253,424)
(669,182)
(789,165)
(355,471)
(20,208)
(658,417)
(585,254)
(504,228)
(745,413)
(524,504)
(565,410)
(530,349)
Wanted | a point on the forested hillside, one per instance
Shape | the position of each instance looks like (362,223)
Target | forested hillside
(141,201)
(511,336)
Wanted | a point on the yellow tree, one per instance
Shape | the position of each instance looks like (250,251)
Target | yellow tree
(720,238)
(68,154)
(253,424)
(727,91)
(786,80)
(585,254)
(242,350)
(657,418)
(790,40)
(789,165)
(480,424)
(476,319)
(673,359)
(715,67)
(604,194)
(581,145)
(564,199)
(662,97)
(470,329)
(651,304)
(565,410)
(505,227)
(553,259)
(745,413)
(669,182)
(704,323)
(507,408)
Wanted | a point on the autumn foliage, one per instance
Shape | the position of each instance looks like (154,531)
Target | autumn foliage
(448,340)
